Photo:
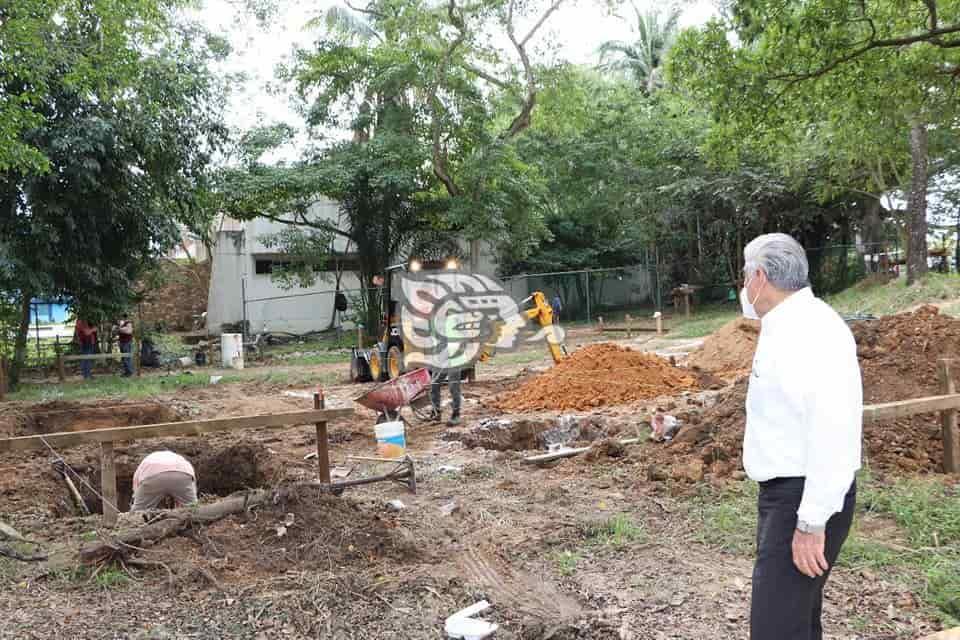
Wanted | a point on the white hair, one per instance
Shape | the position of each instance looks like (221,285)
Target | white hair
(781,258)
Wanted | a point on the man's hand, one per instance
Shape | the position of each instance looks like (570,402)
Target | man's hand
(808,553)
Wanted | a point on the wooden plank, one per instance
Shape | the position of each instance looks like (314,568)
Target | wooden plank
(192,428)
(323,442)
(948,418)
(97,356)
(889,411)
(108,483)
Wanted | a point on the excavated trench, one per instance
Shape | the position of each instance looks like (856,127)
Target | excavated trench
(220,472)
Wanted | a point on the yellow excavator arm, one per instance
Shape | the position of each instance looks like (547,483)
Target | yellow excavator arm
(542,313)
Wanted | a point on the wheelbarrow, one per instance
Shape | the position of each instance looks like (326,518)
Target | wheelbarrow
(408,390)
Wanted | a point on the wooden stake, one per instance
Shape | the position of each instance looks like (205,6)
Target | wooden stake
(600,324)
(629,325)
(136,356)
(686,304)
(61,369)
(108,483)
(323,443)
(948,419)
(659,318)
(3,377)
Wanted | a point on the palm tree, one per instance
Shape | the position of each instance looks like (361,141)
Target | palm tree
(643,59)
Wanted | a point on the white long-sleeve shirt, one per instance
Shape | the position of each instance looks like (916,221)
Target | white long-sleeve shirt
(805,404)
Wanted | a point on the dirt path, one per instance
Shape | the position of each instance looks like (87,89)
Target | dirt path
(581,550)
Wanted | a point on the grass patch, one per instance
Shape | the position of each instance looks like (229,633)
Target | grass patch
(616,531)
(155,385)
(927,511)
(870,296)
(703,322)
(727,519)
(567,562)
(317,343)
(107,386)
(332,357)
(522,357)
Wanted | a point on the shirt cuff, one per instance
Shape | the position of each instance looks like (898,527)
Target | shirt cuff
(813,515)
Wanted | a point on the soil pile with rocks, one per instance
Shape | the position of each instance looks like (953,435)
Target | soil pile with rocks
(599,375)
(898,360)
(711,442)
(728,352)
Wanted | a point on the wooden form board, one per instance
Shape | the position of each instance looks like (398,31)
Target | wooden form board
(888,411)
(192,428)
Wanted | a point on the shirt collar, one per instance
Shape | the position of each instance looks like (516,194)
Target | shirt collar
(783,310)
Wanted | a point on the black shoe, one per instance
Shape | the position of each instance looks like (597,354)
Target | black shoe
(454,419)
(435,415)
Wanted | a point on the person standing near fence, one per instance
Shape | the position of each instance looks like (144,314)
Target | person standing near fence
(85,335)
(125,341)
(557,306)
(802,441)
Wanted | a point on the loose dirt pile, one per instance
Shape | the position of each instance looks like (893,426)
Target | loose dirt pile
(599,375)
(898,360)
(728,352)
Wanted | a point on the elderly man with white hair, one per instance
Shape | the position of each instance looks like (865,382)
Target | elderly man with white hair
(803,438)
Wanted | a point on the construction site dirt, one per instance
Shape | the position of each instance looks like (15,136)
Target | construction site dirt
(602,546)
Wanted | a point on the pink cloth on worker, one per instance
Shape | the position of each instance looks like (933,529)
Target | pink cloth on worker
(160,462)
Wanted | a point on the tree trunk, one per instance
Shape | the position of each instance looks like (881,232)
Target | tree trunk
(917,205)
(20,345)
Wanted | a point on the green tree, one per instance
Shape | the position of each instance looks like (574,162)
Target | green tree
(643,59)
(871,86)
(126,164)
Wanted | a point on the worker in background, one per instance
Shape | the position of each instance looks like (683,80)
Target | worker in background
(85,335)
(557,306)
(162,474)
(447,367)
(802,441)
(125,341)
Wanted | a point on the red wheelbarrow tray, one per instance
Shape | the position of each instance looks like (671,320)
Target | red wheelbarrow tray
(396,393)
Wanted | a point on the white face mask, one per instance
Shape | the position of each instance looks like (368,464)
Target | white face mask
(749,311)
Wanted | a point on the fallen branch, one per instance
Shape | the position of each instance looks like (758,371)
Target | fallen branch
(171,523)
(120,545)
(568,453)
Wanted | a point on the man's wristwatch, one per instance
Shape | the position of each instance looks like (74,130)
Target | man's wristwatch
(805,527)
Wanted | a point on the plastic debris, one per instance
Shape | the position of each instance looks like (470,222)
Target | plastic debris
(463,626)
(396,505)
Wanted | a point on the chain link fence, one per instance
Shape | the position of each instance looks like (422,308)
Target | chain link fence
(583,296)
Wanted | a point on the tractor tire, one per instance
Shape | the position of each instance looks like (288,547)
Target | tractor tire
(378,370)
(395,362)
(359,371)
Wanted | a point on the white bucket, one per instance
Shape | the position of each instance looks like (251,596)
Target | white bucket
(231,350)
(391,439)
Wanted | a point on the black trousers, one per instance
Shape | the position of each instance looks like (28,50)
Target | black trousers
(787,604)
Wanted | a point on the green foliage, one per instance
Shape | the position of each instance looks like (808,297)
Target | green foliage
(126,119)
(567,562)
(643,60)
(616,531)
(871,296)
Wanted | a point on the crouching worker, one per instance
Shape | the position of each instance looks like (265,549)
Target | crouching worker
(162,474)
